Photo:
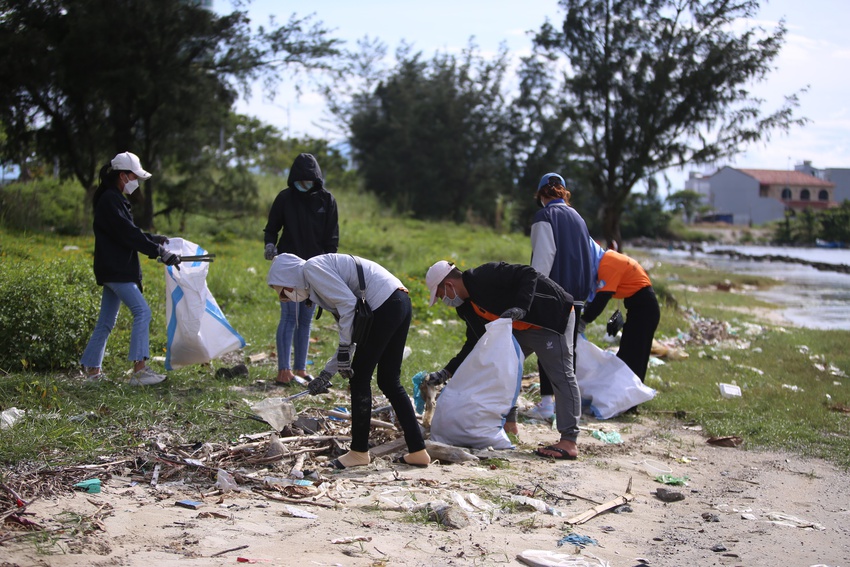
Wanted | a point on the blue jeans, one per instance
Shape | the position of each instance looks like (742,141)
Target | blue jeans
(114,294)
(295,329)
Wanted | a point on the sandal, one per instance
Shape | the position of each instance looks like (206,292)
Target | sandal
(401,461)
(335,464)
(564,454)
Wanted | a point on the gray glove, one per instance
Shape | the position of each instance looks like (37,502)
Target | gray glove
(438,377)
(270,252)
(321,384)
(514,314)
(582,325)
(343,359)
(169,258)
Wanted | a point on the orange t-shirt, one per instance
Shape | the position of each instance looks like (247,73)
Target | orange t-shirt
(620,274)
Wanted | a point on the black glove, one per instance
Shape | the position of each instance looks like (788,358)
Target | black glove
(343,359)
(320,385)
(615,323)
(270,251)
(159,239)
(514,314)
(169,258)
(438,377)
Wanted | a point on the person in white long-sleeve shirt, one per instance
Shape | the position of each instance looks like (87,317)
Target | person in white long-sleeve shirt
(331,282)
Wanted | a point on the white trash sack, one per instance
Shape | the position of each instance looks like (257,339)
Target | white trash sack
(473,404)
(606,383)
(198,331)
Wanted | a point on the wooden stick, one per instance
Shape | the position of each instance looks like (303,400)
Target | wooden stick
(282,498)
(229,550)
(596,510)
(373,422)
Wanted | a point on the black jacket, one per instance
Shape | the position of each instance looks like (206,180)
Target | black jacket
(496,287)
(310,220)
(117,241)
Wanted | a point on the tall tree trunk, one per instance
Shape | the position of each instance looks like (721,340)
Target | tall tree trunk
(611,226)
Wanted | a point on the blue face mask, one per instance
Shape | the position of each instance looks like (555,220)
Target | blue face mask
(455,301)
(303,186)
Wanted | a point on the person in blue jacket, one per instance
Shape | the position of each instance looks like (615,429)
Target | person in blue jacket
(117,243)
(560,249)
(307,214)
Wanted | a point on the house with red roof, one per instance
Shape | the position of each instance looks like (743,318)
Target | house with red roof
(757,196)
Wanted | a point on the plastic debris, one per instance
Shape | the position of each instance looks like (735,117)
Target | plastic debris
(792,388)
(673,480)
(92,486)
(781,519)
(611,437)
(545,558)
(538,505)
(190,504)
(225,481)
(577,540)
(730,391)
(298,513)
(9,417)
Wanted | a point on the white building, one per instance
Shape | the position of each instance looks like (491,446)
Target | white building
(757,196)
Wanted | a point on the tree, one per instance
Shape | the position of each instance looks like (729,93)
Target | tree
(654,84)
(84,79)
(430,137)
(686,201)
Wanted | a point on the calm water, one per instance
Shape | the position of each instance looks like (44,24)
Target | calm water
(809,298)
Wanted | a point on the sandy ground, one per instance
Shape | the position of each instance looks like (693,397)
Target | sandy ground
(740,508)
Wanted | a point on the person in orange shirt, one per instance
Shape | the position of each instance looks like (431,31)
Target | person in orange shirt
(621,277)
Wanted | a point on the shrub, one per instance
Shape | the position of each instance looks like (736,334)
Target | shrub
(47,312)
(43,205)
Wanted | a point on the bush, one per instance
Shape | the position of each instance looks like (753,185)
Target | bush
(44,205)
(47,312)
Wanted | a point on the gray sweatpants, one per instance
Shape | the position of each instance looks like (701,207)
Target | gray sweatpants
(555,353)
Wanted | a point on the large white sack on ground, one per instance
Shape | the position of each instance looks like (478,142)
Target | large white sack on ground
(198,331)
(606,383)
(472,406)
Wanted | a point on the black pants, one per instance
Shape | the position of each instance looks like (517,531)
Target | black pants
(384,349)
(642,317)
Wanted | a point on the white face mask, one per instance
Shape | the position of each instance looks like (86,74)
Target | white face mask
(297,295)
(455,301)
(130,186)
(303,186)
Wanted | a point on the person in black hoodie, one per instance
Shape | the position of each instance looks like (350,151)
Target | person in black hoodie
(307,214)
(117,243)
(543,321)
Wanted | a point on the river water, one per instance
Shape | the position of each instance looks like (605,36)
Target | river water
(808,297)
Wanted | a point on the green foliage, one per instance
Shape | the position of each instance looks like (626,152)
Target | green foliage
(644,215)
(430,138)
(686,201)
(43,205)
(47,311)
(647,80)
(70,91)
(805,227)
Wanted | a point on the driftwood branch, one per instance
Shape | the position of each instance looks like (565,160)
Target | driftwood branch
(604,507)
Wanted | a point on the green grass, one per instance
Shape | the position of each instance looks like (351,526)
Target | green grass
(70,422)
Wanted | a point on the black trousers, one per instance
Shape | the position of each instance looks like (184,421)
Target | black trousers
(383,349)
(642,317)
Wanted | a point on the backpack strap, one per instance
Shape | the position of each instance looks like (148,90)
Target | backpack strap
(360,278)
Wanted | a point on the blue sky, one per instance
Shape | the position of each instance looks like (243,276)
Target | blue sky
(816,53)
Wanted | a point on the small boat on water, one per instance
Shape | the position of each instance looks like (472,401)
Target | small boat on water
(829,244)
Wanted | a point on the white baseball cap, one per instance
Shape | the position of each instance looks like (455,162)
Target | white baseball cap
(129,162)
(436,274)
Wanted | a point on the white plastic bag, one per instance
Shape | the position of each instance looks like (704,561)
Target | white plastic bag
(472,406)
(606,383)
(197,329)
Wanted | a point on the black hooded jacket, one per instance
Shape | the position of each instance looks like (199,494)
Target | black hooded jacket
(310,220)
(117,241)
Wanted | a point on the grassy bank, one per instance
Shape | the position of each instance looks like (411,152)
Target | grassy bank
(68,421)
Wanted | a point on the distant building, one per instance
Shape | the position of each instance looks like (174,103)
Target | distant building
(840,177)
(757,196)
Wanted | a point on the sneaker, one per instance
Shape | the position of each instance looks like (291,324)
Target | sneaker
(146,377)
(541,411)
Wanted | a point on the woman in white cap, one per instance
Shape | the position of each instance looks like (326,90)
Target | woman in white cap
(331,281)
(117,243)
